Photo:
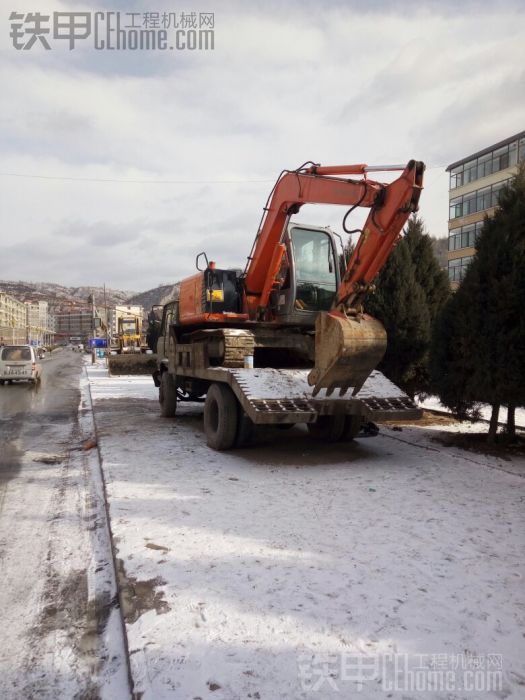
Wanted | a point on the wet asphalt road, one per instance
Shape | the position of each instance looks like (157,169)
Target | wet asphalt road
(30,416)
(55,560)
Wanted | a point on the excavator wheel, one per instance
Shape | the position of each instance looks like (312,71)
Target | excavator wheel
(221,411)
(167,395)
(327,428)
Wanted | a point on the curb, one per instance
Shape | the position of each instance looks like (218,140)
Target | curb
(91,409)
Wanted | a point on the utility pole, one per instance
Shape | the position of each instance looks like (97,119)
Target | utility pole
(107,324)
(91,299)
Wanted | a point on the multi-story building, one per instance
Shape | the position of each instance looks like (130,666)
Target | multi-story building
(40,322)
(475,183)
(73,323)
(13,320)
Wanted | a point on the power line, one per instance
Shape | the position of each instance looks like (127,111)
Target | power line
(239,181)
(139,182)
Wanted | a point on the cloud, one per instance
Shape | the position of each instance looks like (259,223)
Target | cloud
(334,82)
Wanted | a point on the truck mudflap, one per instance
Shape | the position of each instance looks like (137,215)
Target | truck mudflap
(284,396)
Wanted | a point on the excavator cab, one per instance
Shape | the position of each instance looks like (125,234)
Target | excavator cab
(311,275)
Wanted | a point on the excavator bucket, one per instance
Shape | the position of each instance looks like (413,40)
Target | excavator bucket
(347,350)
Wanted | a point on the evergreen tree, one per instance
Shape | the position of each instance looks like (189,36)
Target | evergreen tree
(411,290)
(400,304)
(431,278)
(345,255)
(450,362)
(479,348)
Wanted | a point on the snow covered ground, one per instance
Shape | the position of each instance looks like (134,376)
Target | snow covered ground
(433,403)
(295,569)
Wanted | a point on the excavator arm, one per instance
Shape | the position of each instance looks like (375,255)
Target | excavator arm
(348,344)
(390,206)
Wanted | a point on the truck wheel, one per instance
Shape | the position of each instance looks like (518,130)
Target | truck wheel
(245,430)
(352,427)
(220,417)
(327,428)
(167,395)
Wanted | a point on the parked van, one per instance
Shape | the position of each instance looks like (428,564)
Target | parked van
(19,362)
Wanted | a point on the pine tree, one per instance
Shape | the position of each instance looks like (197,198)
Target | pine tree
(501,250)
(432,279)
(345,255)
(411,290)
(450,362)
(479,345)
(435,285)
(400,304)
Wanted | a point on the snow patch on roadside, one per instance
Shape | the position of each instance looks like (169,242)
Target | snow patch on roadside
(433,403)
(104,386)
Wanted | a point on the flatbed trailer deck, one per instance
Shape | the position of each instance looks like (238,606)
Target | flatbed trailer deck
(269,395)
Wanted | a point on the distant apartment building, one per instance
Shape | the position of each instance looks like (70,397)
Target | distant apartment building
(475,184)
(73,323)
(13,320)
(40,322)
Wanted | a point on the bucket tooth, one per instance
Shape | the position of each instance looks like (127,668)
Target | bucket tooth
(347,350)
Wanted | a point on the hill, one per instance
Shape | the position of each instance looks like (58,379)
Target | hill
(58,294)
(158,295)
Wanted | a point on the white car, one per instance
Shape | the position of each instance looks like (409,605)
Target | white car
(19,362)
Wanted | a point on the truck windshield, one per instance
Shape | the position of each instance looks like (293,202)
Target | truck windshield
(314,269)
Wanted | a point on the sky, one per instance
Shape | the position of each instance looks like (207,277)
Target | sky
(118,167)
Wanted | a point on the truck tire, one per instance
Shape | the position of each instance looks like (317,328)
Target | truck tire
(351,428)
(221,412)
(327,428)
(245,430)
(167,395)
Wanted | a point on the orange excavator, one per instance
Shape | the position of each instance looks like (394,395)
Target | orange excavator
(272,343)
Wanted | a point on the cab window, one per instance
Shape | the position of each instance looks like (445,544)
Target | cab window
(315,270)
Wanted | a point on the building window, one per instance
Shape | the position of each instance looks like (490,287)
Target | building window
(485,165)
(479,200)
(456,177)
(464,236)
(458,267)
(483,199)
(500,159)
(521,155)
(469,204)
(496,189)
(489,163)
(456,208)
